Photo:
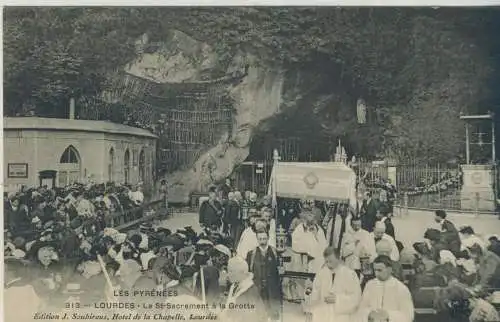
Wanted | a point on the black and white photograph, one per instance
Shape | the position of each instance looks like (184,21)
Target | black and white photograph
(251,163)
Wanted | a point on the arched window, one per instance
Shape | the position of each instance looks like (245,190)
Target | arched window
(70,155)
(69,166)
(126,165)
(111,164)
(142,166)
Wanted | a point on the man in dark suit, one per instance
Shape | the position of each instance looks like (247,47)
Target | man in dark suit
(211,211)
(369,212)
(449,234)
(232,217)
(225,189)
(263,263)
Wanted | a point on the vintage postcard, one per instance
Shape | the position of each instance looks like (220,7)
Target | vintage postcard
(251,164)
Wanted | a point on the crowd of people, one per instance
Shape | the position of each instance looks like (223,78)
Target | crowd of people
(375,277)
(355,267)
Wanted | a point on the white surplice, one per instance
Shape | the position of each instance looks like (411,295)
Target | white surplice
(248,241)
(391,295)
(311,243)
(347,290)
(394,247)
(364,246)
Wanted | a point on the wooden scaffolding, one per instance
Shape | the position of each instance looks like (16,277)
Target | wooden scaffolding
(188,117)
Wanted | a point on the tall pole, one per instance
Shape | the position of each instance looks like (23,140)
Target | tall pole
(493,142)
(494,157)
(467,143)
(276,158)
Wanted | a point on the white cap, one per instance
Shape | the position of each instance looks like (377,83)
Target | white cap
(380,225)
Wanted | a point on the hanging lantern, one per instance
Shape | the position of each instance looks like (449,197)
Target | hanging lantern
(280,239)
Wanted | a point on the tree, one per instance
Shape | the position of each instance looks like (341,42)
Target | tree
(52,54)
(416,68)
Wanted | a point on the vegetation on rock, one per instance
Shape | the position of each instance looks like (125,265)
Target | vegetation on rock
(416,68)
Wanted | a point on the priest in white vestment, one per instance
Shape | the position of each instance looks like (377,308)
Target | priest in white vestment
(379,234)
(386,293)
(309,240)
(336,291)
(364,244)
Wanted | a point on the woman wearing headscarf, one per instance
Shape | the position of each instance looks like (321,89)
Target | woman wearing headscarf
(488,272)
(447,268)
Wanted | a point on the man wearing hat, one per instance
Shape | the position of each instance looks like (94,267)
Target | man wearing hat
(211,211)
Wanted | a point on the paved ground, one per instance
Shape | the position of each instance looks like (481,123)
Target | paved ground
(409,229)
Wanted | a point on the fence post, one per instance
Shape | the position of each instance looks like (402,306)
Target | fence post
(439,186)
(405,203)
(477,204)
(426,184)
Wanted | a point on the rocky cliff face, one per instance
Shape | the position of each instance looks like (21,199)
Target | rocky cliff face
(258,97)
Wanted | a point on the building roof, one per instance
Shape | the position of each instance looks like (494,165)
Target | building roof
(40,123)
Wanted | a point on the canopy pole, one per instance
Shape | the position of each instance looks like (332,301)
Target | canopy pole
(276,158)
